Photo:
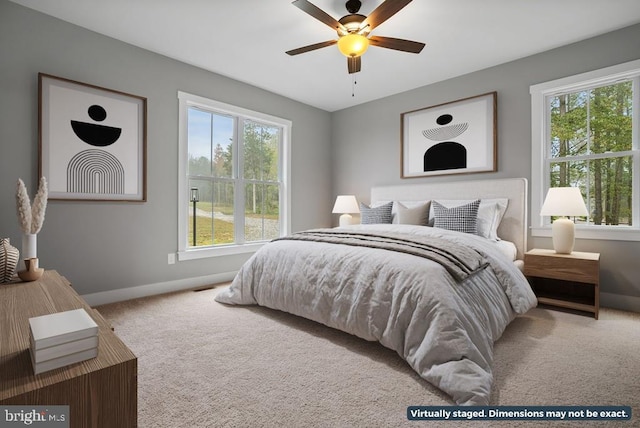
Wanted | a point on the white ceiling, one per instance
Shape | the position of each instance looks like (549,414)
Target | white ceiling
(246,39)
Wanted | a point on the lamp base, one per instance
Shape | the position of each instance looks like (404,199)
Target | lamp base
(563,232)
(346,220)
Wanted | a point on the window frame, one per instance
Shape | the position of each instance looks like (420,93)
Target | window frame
(540,132)
(186,100)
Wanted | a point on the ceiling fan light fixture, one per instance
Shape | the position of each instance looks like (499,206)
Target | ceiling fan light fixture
(354,29)
(353,45)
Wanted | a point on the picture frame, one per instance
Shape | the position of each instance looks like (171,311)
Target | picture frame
(92,141)
(458,137)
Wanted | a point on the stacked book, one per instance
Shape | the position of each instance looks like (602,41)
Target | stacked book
(63,338)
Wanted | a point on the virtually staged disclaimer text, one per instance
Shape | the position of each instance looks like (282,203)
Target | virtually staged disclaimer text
(519,413)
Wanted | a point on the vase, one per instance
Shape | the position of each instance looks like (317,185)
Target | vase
(32,271)
(9,256)
(29,246)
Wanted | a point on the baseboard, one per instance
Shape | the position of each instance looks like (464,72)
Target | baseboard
(112,296)
(618,301)
(608,300)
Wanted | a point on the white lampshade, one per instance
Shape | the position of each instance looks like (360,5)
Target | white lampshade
(345,205)
(563,201)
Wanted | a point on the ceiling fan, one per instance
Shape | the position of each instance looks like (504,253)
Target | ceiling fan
(353,30)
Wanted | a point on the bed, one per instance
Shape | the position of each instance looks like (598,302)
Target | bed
(437,296)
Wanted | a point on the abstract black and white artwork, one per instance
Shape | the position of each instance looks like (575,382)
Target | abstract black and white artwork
(92,141)
(452,138)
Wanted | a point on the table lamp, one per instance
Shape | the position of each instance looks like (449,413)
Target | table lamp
(345,205)
(563,201)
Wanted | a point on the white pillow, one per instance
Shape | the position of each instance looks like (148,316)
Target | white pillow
(508,249)
(417,215)
(490,213)
(419,205)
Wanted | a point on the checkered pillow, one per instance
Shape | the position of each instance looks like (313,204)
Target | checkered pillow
(377,215)
(463,218)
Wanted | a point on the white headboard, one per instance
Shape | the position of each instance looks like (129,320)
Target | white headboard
(514,223)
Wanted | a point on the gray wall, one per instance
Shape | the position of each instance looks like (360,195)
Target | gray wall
(111,246)
(106,246)
(366,138)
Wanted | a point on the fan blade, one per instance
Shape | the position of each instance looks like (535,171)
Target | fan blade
(318,14)
(383,12)
(354,64)
(397,44)
(311,47)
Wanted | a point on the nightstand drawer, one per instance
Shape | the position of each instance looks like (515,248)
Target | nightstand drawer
(570,267)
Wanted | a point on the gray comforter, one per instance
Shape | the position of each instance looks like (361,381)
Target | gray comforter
(444,328)
(460,261)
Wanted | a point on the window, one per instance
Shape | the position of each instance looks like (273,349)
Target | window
(233,184)
(585,135)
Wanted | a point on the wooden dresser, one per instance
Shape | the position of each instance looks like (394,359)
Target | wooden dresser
(100,392)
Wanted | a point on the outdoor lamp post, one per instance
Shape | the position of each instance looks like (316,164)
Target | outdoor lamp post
(194,199)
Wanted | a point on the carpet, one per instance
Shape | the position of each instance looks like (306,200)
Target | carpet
(203,364)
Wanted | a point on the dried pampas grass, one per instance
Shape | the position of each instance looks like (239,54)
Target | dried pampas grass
(24,207)
(39,206)
(31,218)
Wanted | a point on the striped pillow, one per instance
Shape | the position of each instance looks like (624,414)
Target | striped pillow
(377,215)
(463,218)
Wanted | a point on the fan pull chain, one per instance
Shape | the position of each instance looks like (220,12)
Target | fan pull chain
(353,85)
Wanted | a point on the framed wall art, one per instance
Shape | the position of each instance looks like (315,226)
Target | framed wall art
(92,141)
(458,137)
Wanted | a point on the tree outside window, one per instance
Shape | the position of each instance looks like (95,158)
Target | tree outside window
(591,147)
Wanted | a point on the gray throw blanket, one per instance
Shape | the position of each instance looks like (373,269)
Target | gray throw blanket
(459,260)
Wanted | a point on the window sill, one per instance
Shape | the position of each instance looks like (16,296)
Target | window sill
(611,233)
(202,253)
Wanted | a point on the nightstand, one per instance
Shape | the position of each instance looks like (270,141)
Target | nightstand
(565,280)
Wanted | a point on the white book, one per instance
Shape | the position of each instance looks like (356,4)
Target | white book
(55,329)
(44,354)
(66,360)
